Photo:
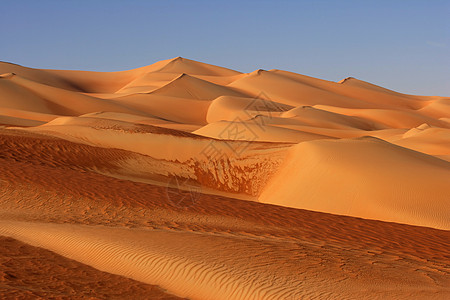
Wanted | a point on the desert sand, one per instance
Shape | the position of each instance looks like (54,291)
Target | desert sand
(188,180)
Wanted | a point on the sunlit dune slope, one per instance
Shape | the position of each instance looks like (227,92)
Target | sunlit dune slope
(241,109)
(31,273)
(366,178)
(208,183)
(210,247)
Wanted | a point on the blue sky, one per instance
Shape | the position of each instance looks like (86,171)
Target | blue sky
(402,45)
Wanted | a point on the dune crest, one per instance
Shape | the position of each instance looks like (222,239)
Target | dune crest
(203,182)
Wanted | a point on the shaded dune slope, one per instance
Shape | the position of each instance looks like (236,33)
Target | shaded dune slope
(49,275)
(216,184)
(142,231)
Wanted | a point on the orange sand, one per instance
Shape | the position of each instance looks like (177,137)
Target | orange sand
(216,184)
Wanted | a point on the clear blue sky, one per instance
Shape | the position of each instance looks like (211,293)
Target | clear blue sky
(402,45)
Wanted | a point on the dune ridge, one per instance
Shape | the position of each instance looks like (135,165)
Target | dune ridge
(210,183)
(192,274)
(52,276)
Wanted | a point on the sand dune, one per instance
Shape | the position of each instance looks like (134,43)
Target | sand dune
(186,86)
(24,99)
(282,88)
(184,65)
(184,110)
(390,118)
(241,273)
(208,183)
(34,273)
(358,175)
(147,159)
(235,248)
(257,129)
(40,76)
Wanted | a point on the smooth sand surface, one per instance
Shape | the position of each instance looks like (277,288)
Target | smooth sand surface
(187,179)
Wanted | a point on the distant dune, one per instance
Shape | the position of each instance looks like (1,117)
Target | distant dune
(202,182)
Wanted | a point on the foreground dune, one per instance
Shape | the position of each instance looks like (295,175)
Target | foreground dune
(206,183)
(359,176)
(28,272)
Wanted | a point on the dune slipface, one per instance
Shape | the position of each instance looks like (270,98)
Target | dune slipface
(187,180)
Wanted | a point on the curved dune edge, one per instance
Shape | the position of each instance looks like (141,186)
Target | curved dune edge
(253,241)
(28,272)
(367,178)
(139,173)
(117,251)
(226,266)
(156,153)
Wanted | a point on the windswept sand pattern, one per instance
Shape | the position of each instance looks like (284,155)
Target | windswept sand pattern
(50,276)
(279,234)
(240,268)
(208,183)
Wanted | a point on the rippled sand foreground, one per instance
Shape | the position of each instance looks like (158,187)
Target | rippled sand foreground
(183,179)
